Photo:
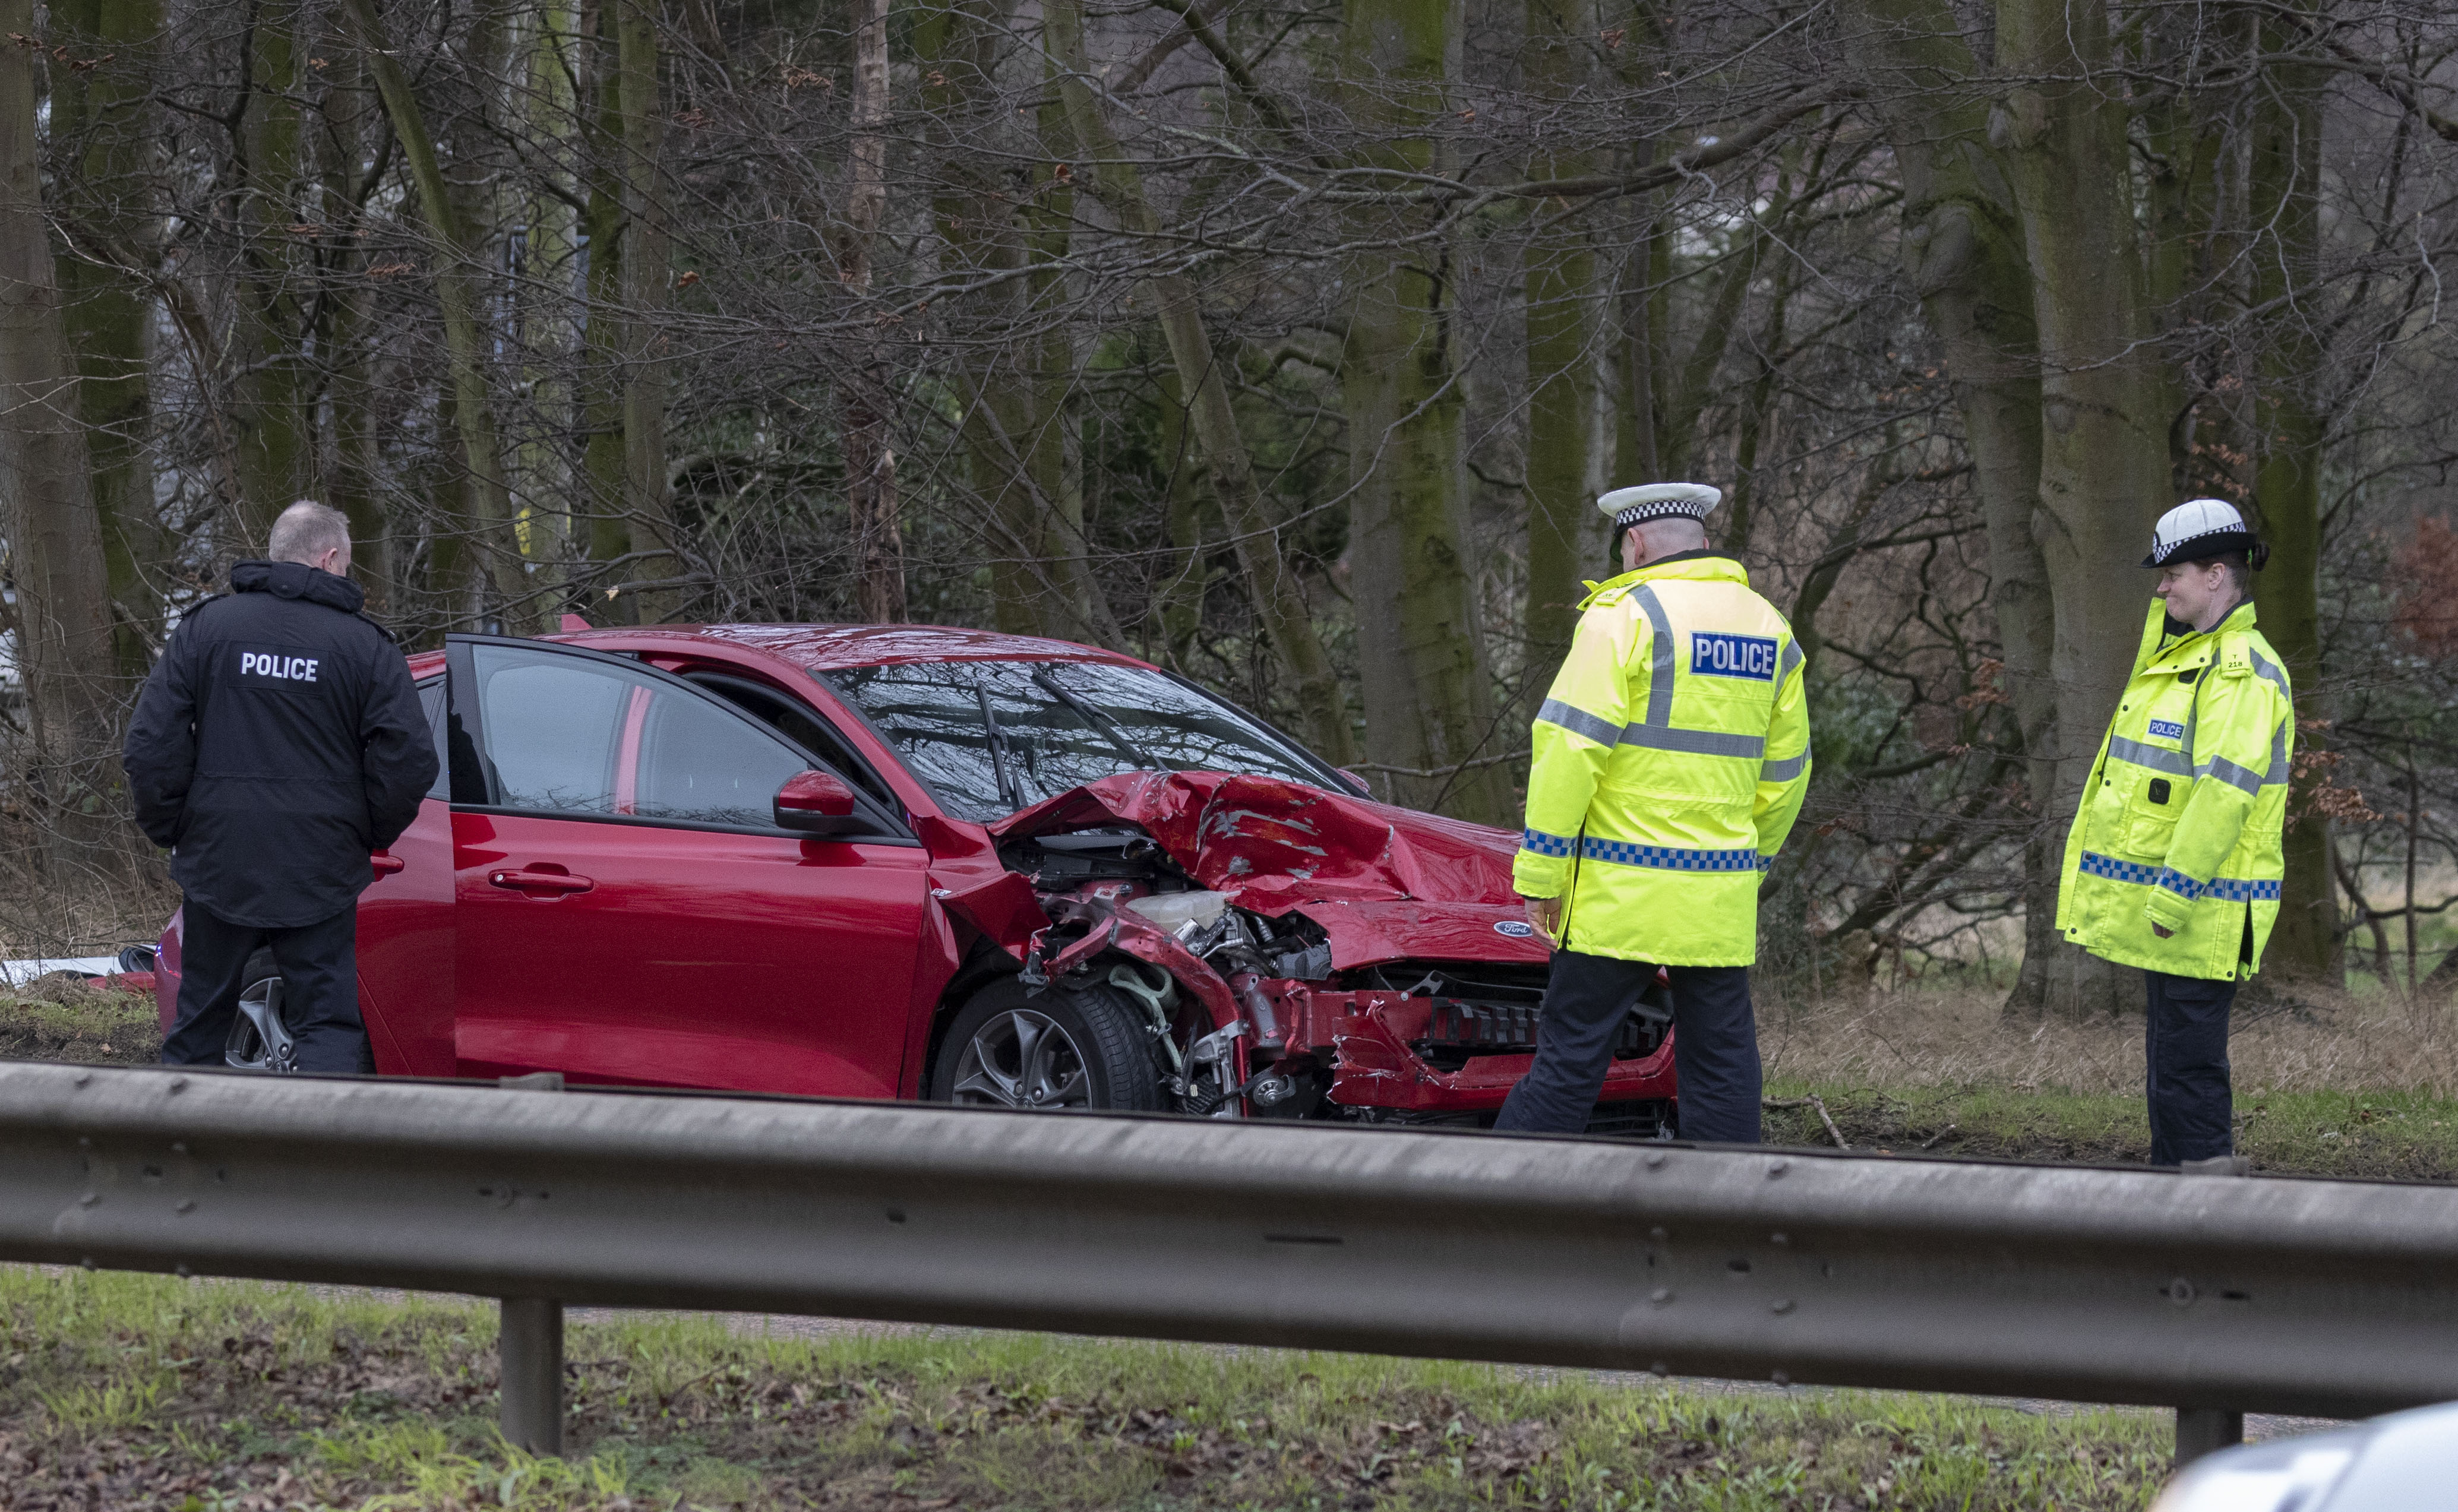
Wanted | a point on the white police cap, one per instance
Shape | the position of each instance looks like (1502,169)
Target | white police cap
(1654,501)
(2199,529)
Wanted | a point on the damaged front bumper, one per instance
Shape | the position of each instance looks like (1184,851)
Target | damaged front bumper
(1433,1054)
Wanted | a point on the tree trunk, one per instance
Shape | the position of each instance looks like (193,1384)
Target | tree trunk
(548,53)
(1420,659)
(955,41)
(457,291)
(2104,467)
(1054,447)
(1280,603)
(54,536)
(270,388)
(608,535)
(1178,596)
(863,398)
(351,463)
(1012,449)
(1565,442)
(2284,206)
(1638,419)
(1963,252)
(645,272)
(99,115)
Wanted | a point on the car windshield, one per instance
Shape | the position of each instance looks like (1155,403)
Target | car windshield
(993,736)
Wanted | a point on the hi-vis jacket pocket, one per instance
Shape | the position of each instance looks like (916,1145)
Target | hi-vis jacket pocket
(2146,833)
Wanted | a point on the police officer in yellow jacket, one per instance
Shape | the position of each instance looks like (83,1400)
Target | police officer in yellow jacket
(1671,757)
(2174,862)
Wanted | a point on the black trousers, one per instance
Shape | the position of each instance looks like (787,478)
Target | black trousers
(320,989)
(2192,1103)
(1715,1047)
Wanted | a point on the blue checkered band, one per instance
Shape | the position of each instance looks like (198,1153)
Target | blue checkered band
(2227,889)
(1671,858)
(2109,866)
(1544,844)
(2178,883)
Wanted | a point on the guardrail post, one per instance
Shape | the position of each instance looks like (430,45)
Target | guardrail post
(532,1356)
(530,1345)
(2208,1430)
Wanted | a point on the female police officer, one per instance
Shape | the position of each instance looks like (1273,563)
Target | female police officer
(2174,862)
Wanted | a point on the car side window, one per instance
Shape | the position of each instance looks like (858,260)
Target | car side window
(552,728)
(432,702)
(800,727)
(702,763)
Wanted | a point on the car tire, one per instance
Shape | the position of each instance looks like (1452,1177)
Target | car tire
(1054,1051)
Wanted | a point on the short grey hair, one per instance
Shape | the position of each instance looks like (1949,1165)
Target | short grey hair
(306,530)
(1665,535)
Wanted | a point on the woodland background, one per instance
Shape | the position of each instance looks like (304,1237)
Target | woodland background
(1287,343)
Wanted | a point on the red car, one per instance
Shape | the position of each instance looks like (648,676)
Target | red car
(913,862)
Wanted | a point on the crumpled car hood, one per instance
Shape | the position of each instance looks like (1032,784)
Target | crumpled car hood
(1383,883)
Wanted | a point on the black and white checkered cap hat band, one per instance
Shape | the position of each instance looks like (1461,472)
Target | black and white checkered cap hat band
(2174,550)
(2197,528)
(1656,501)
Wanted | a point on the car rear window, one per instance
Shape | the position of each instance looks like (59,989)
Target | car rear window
(993,736)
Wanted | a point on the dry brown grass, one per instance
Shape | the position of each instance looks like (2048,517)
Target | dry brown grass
(56,903)
(1956,1037)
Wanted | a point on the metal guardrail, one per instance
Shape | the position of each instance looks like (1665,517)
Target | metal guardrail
(2212,1296)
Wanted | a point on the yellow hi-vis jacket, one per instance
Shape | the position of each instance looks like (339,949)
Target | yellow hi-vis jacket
(1671,757)
(2180,825)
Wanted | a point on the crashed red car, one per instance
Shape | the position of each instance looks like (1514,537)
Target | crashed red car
(911,863)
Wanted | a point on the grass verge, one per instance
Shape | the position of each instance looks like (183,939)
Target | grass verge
(2370,1136)
(1918,1073)
(61,1018)
(129,1390)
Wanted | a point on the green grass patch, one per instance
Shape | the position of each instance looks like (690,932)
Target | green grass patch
(148,1392)
(2377,1137)
(58,1018)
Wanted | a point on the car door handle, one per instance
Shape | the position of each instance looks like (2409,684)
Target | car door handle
(529,881)
(386,865)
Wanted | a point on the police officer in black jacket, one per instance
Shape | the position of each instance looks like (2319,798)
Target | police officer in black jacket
(279,744)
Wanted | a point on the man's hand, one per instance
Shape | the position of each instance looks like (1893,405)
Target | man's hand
(2163,931)
(1545,914)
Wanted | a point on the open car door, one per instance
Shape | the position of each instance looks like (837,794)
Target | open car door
(627,909)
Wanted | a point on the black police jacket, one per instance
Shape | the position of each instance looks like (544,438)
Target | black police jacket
(277,744)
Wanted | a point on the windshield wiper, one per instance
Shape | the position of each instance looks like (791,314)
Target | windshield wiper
(1011,790)
(1109,727)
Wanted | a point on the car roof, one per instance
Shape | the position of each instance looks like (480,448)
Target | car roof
(829,648)
(832,648)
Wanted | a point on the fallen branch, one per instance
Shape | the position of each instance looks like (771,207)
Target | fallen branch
(1813,1100)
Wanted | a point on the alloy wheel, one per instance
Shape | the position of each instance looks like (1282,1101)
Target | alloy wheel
(1022,1059)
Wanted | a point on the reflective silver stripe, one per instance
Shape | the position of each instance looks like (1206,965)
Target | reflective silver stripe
(1578,722)
(2278,770)
(2193,717)
(2157,757)
(1784,770)
(1790,659)
(1655,733)
(2276,675)
(2233,775)
(1659,680)
(1695,743)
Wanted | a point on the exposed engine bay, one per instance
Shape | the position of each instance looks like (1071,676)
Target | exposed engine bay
(1297,954)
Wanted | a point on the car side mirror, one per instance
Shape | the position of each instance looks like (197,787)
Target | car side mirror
(815,803)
